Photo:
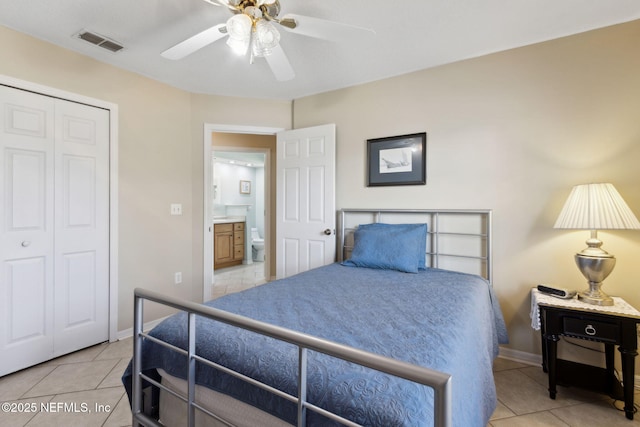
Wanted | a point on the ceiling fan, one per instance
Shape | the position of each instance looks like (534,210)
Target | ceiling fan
(250,30)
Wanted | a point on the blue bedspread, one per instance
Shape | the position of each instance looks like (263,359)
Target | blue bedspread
(439,319)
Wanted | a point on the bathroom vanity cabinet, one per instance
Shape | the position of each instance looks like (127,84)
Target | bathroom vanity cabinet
(228,244)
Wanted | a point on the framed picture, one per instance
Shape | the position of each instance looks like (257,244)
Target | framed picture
(245,187)
(397,160)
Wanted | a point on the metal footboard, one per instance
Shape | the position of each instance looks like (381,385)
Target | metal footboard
(438,381)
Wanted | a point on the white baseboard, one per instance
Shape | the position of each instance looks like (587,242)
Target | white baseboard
(128,333)
(520,356)
(536,360)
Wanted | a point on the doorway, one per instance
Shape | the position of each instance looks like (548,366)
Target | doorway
(217,138)
(239,188)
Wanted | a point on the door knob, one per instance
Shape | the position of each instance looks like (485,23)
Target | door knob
(327,232)
(25,243)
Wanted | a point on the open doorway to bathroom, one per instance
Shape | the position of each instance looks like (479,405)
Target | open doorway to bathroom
(239,204)
(239,208)
(239,140)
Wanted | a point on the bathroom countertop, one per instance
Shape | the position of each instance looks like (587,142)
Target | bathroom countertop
(228,219)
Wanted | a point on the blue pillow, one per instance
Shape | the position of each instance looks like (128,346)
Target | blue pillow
(419,228)
(390,247)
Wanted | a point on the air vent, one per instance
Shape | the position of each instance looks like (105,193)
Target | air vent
(99,40)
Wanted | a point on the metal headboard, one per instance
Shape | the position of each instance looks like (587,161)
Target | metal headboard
(457,239)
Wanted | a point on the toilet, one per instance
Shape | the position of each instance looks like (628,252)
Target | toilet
(257,245)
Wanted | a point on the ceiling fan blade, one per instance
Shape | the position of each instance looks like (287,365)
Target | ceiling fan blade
(321,28)
(280,65)
(223,3)
(194,43)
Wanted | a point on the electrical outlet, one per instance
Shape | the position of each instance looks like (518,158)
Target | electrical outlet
(177,278)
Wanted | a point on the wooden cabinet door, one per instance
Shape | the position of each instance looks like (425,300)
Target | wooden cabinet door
(228,244)
(224,247)
(223,243)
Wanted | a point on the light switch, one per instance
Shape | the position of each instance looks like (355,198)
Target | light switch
(176,208)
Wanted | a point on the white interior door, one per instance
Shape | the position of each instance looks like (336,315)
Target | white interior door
(54,229)
(305,225)
(81,226)
(26,229)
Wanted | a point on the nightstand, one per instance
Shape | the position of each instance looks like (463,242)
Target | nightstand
(612,325)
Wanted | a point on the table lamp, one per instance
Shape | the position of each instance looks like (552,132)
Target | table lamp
(595,207)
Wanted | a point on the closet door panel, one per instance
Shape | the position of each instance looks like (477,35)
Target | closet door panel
(79,193)
(25,190)
(26,229)
(26,281)
(82,233)
(80,288)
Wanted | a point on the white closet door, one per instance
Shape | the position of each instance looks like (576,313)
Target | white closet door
(26,234)
(81,226)
(53,228)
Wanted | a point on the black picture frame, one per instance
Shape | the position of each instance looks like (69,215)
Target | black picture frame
(397,160)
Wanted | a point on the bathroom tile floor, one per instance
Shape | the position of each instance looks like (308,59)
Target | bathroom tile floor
(238,278)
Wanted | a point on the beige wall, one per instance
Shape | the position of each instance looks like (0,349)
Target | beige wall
(513,132)
(160,160)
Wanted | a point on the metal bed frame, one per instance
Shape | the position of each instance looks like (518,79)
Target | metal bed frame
(437,232)
(438,381)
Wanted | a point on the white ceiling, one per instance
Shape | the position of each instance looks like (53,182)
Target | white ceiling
(409,35)
(243,158)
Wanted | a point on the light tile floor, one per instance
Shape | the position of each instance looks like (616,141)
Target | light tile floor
(237,278)
(83,388)
(523,401)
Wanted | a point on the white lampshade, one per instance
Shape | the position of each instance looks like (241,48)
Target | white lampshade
(596,207)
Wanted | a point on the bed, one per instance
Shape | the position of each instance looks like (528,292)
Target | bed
(387,304)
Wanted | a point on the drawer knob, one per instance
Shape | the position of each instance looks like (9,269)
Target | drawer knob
(590,330)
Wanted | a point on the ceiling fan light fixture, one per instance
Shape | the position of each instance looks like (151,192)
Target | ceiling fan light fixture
(257,50)
(251,26)
(239,27)
(265,38)
(253,12)
(239,47)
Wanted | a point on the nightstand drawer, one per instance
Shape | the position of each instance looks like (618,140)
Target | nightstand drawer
(588,329)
